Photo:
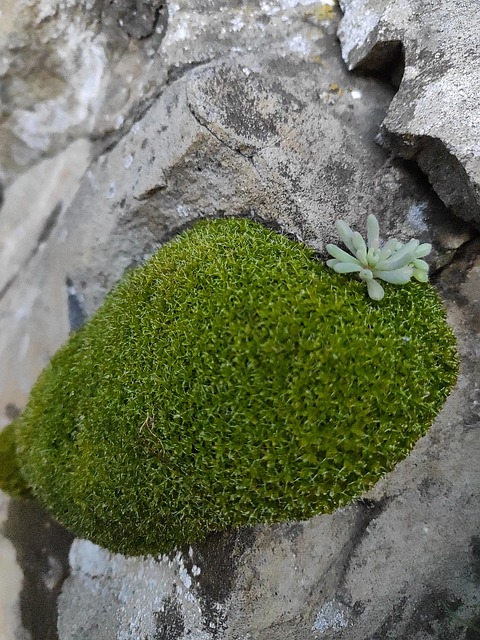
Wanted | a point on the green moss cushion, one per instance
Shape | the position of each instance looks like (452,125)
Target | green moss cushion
(231,380)
(11,479)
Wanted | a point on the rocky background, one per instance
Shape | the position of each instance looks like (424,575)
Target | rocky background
(121,122)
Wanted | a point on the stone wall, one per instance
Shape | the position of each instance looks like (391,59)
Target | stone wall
(122,123)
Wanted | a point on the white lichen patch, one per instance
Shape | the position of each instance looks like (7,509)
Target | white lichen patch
(416,216)
(237,23)
(183,210)
(84,61)
(133,591)
(332,615)
(300,44)
(183,26)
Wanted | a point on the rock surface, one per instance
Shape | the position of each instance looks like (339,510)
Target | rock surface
(231,110)
(434,118)
(70,70)
(10,580)
(34,319)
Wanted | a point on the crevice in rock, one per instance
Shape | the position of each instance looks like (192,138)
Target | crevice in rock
(446,174)
(385,61)
(48,226)
(466,252)
(443,169)
(77,316)
(247,156)
(177,72)
(366,511)
(42,547)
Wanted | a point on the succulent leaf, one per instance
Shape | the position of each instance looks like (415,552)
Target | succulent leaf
(420,275)
(340,254)
(345,234)
(420,264)
(375,290)
(347,267)
(397,276)
(359,243)
(423,250)
(396,262)
(373,232)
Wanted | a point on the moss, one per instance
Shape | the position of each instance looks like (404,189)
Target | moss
(231,380)
(11,479)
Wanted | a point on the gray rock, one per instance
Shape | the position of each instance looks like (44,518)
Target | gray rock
(70,70)
(435,116)
(41,549)
(10,582)
(193,156)
(33,318)
(250,112)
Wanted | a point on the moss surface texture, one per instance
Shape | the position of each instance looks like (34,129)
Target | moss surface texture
(231,380)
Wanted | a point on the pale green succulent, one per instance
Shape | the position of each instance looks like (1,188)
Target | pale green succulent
(395,262)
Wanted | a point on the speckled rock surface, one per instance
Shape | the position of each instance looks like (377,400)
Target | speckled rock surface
(72,69)
(234,137)
(234,109)
(435,117)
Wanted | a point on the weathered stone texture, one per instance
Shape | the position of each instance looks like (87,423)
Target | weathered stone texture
(71,69)
(229,109)
(33,318)
(435,117)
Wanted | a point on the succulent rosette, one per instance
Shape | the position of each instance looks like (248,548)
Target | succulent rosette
(394,262)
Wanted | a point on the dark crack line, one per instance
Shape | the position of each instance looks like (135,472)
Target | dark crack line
(456,256)
(248,158)
(366,512)
(45,233)
(160,12)
(8,284)
(177,72)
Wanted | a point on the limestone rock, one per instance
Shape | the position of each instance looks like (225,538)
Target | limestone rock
(10,581)
(231,109)
(70,70)
(192,155)
(34,320)
(435,115)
